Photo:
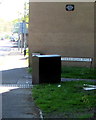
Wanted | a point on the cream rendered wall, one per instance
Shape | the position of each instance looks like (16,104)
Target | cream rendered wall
(53,30)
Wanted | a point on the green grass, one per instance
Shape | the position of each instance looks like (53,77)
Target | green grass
(78,72)
(68,101)
(29,69)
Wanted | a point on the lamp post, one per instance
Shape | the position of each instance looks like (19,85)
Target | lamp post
(24,25)
(23,30)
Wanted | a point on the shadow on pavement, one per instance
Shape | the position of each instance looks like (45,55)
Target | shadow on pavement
(13,75)
(18,103)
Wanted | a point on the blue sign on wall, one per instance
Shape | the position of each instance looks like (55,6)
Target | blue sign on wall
(69,7)
(23,28)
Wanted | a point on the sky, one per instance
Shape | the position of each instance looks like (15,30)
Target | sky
(9,9)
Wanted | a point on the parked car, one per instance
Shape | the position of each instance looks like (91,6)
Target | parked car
(2,38)
(12,39)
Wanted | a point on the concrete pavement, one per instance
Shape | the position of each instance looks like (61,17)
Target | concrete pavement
(18,103)
(16,89)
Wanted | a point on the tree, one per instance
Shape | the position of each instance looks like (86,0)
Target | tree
(5,26)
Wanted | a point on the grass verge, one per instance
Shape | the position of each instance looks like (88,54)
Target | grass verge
(29,70)
(78,72)
(66,101)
